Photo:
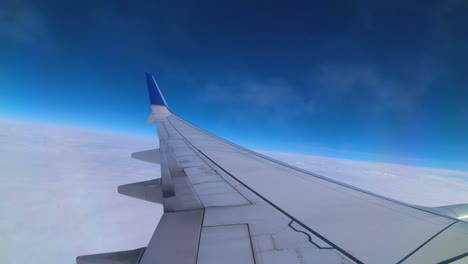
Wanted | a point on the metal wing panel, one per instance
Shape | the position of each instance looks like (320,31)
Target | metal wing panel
(176,239)
(228,203)
(227,244)
(371,228)
(375,230)
(456,249)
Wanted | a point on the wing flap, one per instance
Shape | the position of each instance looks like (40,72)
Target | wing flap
(176,239)
(227,244)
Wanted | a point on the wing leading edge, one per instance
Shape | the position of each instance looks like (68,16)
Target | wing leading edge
(227,204)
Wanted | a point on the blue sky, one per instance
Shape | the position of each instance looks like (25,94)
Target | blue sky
(363,80)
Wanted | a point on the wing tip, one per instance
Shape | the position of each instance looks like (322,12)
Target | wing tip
(155,94)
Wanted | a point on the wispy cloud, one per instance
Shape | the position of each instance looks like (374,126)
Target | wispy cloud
(329,87)
(380,92)
(275,97)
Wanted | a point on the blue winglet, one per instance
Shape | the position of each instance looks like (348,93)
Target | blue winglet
(156,97)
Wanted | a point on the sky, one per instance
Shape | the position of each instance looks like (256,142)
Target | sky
(364,80)
(58,190)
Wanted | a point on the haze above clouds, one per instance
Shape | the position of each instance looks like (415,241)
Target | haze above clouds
(59,190)
(381,77)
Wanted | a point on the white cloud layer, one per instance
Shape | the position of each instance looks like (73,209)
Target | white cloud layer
(58,190)
(410,184)
(58,193)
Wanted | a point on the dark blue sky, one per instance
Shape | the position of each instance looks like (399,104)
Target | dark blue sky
(364,80)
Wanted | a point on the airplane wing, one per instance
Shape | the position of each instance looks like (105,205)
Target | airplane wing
(226,204)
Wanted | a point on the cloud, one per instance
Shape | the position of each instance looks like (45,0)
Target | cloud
(378,92)
(59,197)
(58,193)
(328,90)
(410,184)
(275,96)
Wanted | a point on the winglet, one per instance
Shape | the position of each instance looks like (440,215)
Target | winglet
(156,97)
(159,107)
